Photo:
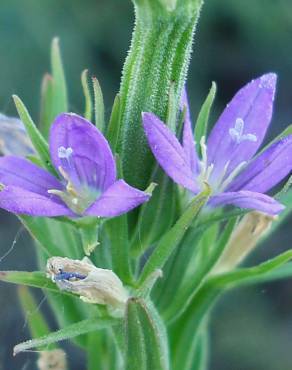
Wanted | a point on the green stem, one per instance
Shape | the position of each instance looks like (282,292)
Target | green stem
(159,56)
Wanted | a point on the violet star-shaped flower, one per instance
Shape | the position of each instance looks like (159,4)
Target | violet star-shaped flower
(227,162)
(87,185)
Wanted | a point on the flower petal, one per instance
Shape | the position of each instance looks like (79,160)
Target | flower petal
(188,136)
(248,199)
(268,169)
(119,198)
(22,173)
(21,201)
(168,152)
(241,127)
(82,151)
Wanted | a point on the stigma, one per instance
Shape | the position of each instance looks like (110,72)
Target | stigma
(237,134)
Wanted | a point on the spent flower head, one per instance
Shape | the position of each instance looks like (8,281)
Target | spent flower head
(227,162)
(90,283)
(87,183)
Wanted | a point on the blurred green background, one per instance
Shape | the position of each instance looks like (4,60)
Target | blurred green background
(251,329)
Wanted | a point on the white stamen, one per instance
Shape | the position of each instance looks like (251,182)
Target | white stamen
(237,135)
(232,175)
(65,152)
(75,201)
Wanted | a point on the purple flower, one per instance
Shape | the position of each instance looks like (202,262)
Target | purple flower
(227,162)
(87,184)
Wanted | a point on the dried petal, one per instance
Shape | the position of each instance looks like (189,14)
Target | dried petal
(92,284)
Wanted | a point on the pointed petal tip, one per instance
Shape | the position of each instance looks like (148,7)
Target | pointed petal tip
(268,81)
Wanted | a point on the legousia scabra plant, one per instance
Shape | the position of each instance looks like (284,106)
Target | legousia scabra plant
(140,222)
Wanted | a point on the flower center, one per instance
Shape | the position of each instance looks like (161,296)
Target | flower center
(206,170)
(237,134)
(77,196)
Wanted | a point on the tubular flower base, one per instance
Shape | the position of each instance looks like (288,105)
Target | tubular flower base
(88,184)
(227,162)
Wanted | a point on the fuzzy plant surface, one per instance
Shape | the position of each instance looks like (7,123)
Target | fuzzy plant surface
(141,220)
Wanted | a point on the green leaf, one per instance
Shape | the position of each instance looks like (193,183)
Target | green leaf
(156,216)
(203,117)
(171,239)
(87,95)
(114,124)
(205,221)
(250,275)
(185,293)
(38,141)
(117,230)
(82,327)
(47,111)
(98,105)
(35,279)
(146,337)
(37,324)
(191,353)
(184,328)
(60,100)
(54,91)
(55,237)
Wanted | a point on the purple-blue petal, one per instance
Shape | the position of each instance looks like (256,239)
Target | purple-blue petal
(253,104)
(90,160)
(23,202)
(249,200)
(20,172)
(188,136)
(268,169)
(119,198)
(168,152)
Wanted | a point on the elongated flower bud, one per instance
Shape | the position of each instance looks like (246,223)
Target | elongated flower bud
(243,240)
(92,284)
(52,360)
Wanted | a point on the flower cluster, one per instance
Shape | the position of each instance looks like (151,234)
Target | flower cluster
(87,184)
(227,162)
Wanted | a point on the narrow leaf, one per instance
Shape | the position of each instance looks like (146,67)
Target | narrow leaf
(188,324)
(36,279)
(98,105)
(38,141)
(69,332)
(87,95)
(190,287)
(60,103)
(155,217)
(114,124)
(47,114)
(171,239)
(117,230)
(250,275)
(36,321)
(203,117)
